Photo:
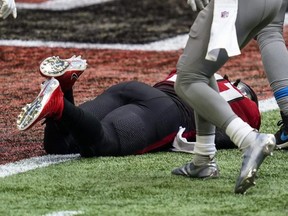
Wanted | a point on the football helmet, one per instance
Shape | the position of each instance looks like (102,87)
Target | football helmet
(246,90)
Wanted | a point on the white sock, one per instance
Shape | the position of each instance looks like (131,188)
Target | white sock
(205,145)
(238,130)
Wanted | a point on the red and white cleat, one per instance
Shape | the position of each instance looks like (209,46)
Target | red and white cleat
(66,71)
(48,103)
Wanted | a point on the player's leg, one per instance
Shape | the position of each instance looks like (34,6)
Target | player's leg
(148,122)
(204,162)
(57,140)
(274,57)
(88,135)
(51,105)
(76,130)
(149,128)
(112,98)
(194,73)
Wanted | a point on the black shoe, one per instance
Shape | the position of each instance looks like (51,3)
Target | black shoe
(282,134)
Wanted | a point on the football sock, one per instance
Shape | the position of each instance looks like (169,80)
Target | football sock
(204,149)
(205,145)
(200,160)
(207,139)
(281,96)
(240,133)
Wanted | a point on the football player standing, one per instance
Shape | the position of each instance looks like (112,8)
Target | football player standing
(231,24)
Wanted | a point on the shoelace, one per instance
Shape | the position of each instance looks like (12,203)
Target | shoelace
(280,123)
(284,128)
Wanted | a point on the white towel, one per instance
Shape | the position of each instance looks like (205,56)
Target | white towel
(180,144)
(223,31)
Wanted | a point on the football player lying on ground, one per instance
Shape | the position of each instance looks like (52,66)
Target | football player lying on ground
(128,118)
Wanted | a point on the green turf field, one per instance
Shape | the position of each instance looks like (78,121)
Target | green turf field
(143,185)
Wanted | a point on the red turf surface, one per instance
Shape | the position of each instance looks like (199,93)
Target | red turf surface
(20,83)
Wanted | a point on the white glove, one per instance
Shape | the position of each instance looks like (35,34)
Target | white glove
(7,7)
(198,5)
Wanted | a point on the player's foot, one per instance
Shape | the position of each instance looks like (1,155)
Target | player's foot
(48,103)
(66,71)
(253,157)
(209,170)
(282,134)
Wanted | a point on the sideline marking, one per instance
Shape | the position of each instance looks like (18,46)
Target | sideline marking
(169,44)
(268,105)
(34,163)
(59,5)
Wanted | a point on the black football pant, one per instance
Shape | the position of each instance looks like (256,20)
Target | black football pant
(128,118)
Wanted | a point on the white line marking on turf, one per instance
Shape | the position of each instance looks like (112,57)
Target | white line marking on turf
(65,213)
(59,5)
(34,163)
(268,105)
(170,44)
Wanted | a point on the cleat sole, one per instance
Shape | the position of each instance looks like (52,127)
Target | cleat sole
(31,112)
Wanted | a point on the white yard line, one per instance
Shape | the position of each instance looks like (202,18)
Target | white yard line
(170,44)
(65,213)
(268,105)
(33,163)
(60,5)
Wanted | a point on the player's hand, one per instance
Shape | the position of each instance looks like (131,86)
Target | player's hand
(7,7)
(198,5)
